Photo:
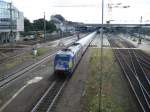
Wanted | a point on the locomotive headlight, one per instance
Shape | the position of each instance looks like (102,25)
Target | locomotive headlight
(70,64)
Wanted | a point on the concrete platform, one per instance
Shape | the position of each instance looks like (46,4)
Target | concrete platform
(144,46)
(124,48)
(96,43)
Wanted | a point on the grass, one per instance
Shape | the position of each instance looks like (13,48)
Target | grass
(15,62)
(20,60)
(41,51)
(115,93)
(12,64)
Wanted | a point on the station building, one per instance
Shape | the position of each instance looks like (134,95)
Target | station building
(11,22)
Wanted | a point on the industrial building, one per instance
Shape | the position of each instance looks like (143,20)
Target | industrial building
(11,22)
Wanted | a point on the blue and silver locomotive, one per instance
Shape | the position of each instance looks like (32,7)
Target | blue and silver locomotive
(67,59)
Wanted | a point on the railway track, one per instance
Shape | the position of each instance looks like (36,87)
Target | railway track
(67,40)
(48,100)
(137,87)
(7,78)
(133,70)
(6,59)
(143,59)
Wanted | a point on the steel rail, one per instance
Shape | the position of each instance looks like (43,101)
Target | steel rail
(6,79)
(144,62)
(134,71)
(135,84)
(144,108)
(14,76)
(145,91)
(49,98)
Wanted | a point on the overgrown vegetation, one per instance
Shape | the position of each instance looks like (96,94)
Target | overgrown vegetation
(14,62)
(41,51)
(38,25)
(115,93)
(19,60)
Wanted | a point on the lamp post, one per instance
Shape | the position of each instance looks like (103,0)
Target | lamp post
(44,27)
(140,31)
(101,58)
(101,61)
(11,23)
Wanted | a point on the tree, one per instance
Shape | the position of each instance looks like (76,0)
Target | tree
(39,25)
(50,26)
(60,17)
(27,25)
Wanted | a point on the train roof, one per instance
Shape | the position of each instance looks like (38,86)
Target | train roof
(70,50)
(84,40)
(66,51)
(75,47)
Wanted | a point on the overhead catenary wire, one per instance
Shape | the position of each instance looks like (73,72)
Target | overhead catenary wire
(88,5)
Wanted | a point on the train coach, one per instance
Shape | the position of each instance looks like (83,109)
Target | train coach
(67,59)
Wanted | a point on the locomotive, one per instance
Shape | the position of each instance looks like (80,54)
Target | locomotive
(67,59)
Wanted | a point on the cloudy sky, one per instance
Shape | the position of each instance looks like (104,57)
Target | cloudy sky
(88,11)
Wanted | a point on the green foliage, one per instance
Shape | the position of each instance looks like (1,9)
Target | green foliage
(38,25)
(115,96)
(50,26)
(41,51)
(27,25)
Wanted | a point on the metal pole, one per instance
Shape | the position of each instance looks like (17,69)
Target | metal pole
(11,23)
(140,29)
(141,26)
(44,27)
(101,64)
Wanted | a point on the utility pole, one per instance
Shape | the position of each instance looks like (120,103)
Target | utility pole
(44,27)
(140,31)
(11,23)
(101,64)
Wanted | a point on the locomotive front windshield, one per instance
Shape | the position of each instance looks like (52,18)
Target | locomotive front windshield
(62,62)
(63,58)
